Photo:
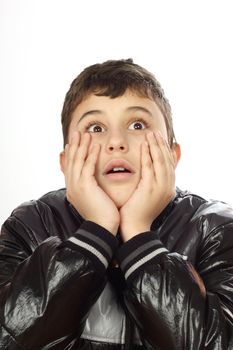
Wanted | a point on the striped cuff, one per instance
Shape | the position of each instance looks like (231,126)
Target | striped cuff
(95,242)
(138,251)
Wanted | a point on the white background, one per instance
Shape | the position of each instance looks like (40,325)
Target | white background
(44,44)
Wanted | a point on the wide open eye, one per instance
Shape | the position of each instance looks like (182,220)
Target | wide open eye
(95,128)
(137,125)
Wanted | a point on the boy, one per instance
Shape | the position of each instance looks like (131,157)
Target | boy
(121,259)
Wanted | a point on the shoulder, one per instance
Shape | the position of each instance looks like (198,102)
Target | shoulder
(36,207)
(51,214)
(198,227)
(210,213)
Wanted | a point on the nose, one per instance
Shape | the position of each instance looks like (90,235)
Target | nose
(117,142)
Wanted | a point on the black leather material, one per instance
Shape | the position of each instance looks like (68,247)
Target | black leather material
(51,296)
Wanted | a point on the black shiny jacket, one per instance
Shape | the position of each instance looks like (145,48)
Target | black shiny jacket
(173,289)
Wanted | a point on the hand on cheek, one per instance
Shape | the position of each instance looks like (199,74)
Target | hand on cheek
(83,191)
(155,189)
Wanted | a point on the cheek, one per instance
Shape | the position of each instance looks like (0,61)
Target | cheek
(135,141)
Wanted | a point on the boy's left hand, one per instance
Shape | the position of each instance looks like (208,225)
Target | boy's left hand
(155,189)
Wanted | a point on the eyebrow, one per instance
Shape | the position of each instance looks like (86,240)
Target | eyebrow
(140,109)
(94,111)
(129,109)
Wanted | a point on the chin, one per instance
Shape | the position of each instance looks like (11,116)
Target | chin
(119,203)
(120,198)
(119,194)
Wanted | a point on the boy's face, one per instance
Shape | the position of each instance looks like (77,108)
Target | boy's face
(119,125)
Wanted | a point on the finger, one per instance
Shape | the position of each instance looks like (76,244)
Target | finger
(69,156)
(83,146)
(90,163)
(155,150)
(66,151)
(163,169)
(81,154)
(165,148)
(168,170)
(70,150)
(146,162)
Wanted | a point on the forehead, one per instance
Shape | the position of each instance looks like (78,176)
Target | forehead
(118,105)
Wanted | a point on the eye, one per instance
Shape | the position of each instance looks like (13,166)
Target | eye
(137,125)
(94,127)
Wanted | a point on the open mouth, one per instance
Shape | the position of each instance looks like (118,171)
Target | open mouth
(118,170)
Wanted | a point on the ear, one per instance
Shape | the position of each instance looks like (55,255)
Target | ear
(62,161)
(176,153)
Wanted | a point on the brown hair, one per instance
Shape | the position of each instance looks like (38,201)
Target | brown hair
(112,78)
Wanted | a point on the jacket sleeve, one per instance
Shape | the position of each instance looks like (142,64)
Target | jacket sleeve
(174,305)
(47,292)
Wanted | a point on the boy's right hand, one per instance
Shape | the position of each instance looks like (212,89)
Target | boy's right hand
(83,191)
